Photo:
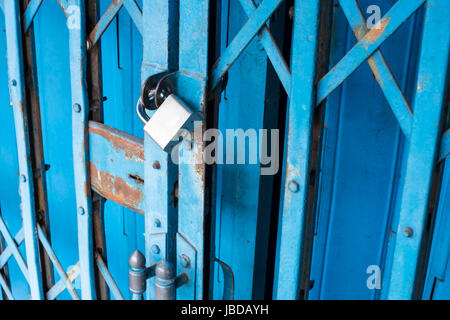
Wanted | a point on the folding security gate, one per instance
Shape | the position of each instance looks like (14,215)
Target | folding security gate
(104,213)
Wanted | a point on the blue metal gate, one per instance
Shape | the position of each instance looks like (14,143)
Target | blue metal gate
(357,210)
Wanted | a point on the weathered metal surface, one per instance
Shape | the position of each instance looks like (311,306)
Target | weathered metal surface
(393,19)
(76,23)
(117,166)
(26,187)
(298,142)
(428,108)
(160,210)
(369,207)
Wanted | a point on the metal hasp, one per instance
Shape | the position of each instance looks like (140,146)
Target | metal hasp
(166,281)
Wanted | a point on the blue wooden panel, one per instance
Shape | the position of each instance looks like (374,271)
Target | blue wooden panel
(361,158)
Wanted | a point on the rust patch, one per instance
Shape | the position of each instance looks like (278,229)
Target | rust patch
(376,31)
(132,146)
(116,189)
(375,72)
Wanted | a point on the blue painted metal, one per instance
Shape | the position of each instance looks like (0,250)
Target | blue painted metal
(273,51)
(48,249)
(242,39)
(26,188)
(108,278)
(393,19)
(369,166)
(436,284)
(445,146)
(244,197)
(298,142)
(30,12)
(192,87)
(53,76)
(160,211)
(380,69)
(80,139)
(120,154)
(362,148)
(422,154)
(59,287)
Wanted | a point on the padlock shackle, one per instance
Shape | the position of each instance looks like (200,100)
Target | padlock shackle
(140,110)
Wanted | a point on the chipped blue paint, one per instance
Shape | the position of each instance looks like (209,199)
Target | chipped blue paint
(298,142)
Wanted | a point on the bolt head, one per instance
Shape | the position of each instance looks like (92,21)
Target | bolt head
(81,211)
(77,108)
(156,249)
(408,232)
(13,83)
(185,261)
(157,223)
(156,165)
(293,186)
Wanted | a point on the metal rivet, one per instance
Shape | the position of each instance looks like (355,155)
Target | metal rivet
(293,186)
(23,178)
(157,223)
(185,261)
(155,249)
(408,232)
(76,108)
(156,165)
(81,211)
(13,83)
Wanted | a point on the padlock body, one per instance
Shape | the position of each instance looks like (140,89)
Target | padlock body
(167,121)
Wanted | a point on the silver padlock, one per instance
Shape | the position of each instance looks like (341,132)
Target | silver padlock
(169,120)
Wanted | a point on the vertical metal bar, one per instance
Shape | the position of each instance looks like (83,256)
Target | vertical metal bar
(160,211)
(298,149)
(193,34)
(26,187)
(440,245)
(422,149)
(80,139)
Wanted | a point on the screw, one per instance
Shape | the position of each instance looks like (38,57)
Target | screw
(408,232)
(157,223)
(81,211)
(156,165)
(77,108)
(23,178)
(13,83)
(293,186)
(155,249)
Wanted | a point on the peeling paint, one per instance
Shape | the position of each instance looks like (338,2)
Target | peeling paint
(116,189)
(376,32)
(132,146)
